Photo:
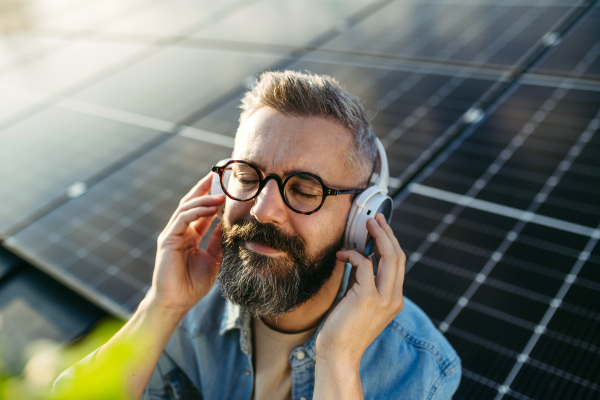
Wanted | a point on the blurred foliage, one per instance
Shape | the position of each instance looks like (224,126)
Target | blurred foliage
(46,360)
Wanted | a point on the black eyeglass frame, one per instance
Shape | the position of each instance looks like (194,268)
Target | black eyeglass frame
(327,191)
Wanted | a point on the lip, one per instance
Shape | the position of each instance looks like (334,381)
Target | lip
(262,249)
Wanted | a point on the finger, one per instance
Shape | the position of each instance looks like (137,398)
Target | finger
(202,225)
(399,283)
(390,232)
(206,201)
(351,279)
(214,244)
(183,220)
(364,268)
(388,263)
(202,187)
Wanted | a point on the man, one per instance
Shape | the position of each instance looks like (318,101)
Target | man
(292,315)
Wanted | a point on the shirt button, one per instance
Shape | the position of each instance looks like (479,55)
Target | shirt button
(247,371)
(302,398)
(300,355)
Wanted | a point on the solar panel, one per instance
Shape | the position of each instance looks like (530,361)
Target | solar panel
(304,21)
(54,150)
(104,243)
(156,19)
(8,262)
(501,227)
(176,81)
(493,33)
(35,307)
(580,45)
(70,66)
(496,244)
(72,15)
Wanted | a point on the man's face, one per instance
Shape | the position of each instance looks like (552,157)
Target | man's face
(275,259)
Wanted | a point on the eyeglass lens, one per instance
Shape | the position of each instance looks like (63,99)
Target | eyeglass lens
(303,192)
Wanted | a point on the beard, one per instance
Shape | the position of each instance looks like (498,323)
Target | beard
(271,286)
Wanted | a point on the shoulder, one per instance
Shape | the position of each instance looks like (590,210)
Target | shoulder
(412,356)
(415,328)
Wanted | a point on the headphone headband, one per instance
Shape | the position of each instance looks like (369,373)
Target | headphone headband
(384,170)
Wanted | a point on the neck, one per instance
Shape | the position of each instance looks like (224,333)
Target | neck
(310,314)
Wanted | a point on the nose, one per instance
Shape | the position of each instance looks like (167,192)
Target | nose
(269,207)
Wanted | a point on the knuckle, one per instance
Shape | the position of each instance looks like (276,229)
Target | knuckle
(400,305)
(402,256)
(386,302)
(371,299)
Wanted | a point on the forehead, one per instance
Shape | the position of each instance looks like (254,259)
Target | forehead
(281,144)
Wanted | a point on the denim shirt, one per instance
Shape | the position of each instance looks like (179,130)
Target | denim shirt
(209,356)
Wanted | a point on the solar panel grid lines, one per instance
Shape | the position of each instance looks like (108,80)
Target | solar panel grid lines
(584,138)
(45,176)
(105,240)
(39,45)
(554,304)
(128,59)
(376,42)
(452,130)
(416,256)
(590,232)
(285,60)
(575,45)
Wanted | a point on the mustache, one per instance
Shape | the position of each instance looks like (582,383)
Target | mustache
(251,230)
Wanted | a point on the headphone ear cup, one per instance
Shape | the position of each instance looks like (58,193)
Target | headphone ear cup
(358,238)
(350,224)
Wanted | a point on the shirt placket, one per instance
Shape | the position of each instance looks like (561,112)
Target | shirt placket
(302,360)
(246,347)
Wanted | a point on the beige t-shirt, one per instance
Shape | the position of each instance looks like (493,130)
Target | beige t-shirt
(272,370)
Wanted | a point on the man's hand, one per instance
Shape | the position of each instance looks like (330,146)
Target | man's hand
(369,305)
(183,273)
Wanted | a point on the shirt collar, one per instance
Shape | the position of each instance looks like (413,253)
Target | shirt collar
(232,317)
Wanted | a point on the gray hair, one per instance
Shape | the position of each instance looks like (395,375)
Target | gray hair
(298,94)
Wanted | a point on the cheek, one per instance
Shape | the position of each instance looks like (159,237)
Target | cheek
(321,232)
(236,210)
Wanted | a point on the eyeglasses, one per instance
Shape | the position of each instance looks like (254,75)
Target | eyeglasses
(302,192)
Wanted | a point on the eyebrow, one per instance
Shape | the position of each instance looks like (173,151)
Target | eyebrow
(285,173)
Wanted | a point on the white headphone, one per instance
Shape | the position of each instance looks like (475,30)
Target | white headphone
(366,205)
